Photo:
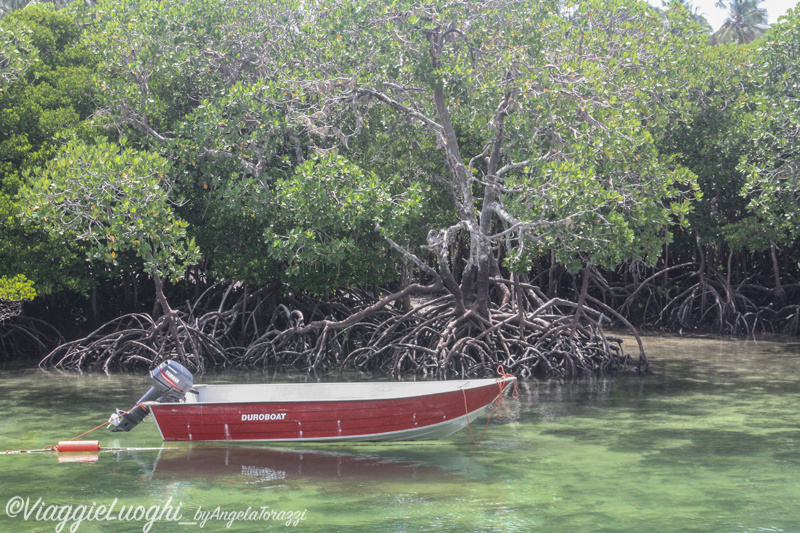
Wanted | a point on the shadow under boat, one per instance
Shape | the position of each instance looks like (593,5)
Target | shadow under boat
(264,464)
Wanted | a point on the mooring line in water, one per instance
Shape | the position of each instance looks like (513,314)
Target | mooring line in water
(70,445)
(102,449)
(497,405)
(469,425)
(142,449)
(45,449)
(107,421)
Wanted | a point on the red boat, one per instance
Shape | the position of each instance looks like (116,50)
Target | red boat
(373,411)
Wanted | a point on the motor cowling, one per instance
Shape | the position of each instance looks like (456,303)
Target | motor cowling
(171,382)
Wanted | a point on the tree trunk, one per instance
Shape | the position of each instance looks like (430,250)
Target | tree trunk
(94,302)
(126,290)
(587,273)
(244,312)
(552,279)
(135,292)
(405,280)
(776,272)
(170,315)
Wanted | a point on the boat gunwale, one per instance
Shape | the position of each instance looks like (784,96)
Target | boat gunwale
(466,384)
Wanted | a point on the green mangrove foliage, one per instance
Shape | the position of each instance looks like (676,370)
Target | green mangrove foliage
(771,116)
(268,160)
(47,103)
(111,199)
(17,53)
(17,288)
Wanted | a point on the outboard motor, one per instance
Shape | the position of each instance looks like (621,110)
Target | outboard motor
(171,382)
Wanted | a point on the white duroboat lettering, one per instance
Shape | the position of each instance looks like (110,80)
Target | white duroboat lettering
(261,417)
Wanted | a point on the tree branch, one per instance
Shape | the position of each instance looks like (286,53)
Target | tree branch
(397,106)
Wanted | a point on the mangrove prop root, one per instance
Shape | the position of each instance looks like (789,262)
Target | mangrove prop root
(544,338)
(21,336)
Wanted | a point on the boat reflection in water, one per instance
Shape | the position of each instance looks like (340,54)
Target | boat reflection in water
(278,464)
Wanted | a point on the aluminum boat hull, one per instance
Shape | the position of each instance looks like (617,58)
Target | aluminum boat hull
(327,411)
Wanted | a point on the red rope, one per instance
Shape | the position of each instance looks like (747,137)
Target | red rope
(106,422)
(469,425)
(93,429)
(503,376)
(496,407)
(514,394)
(53,447)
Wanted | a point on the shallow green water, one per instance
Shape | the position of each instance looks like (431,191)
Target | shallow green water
(709,440)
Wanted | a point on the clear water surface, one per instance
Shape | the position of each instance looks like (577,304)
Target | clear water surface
(709,440)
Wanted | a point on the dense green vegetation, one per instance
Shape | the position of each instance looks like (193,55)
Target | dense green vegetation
(262,182)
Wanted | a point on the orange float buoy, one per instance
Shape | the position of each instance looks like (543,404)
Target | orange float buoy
(78,446)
